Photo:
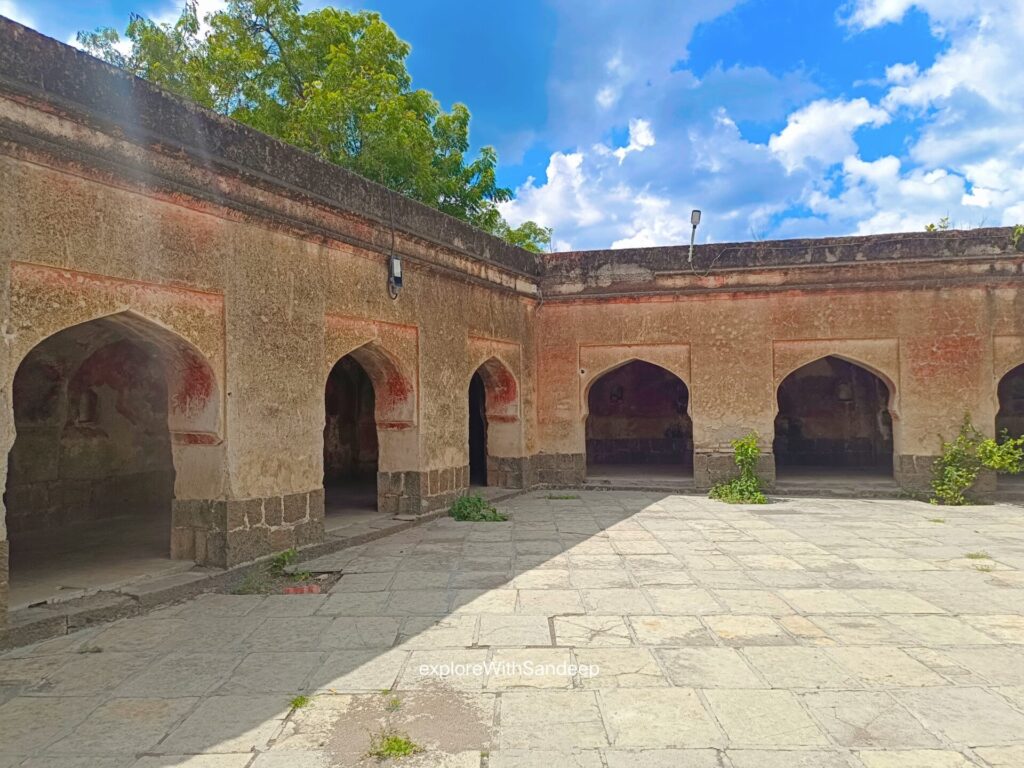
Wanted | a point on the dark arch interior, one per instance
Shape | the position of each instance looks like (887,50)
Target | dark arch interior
(477,430)
(637,416)
(350,440)
(90,480)
(833,414)
(1010,417)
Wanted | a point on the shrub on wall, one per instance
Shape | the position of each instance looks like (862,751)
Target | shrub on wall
(962,460)
(745,489)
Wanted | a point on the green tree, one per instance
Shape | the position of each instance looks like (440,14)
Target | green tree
(329,81)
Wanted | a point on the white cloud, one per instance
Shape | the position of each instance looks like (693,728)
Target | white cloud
(564,198)
(15,12)
(881,196)
(901,74)
(654,221)
(873,13)
(969,103)
(608,94)
(594,201)
(641,137)
(866,14)
(823,132)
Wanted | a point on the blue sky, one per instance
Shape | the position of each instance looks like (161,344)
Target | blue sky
(779,118)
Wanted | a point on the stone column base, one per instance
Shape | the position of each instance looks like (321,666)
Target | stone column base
(506,471)
(412,492)
(557,469)
(711,467)
(5,577)
(224,533)
(915,474)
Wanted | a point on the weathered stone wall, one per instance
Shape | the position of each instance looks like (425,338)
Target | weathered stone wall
(253,269)
(267,267)
(937,318)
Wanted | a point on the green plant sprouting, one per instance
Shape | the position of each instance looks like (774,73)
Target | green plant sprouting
(475,509)
(962,460)
(1018,236)
(745,489)
(389,744)
(282,560)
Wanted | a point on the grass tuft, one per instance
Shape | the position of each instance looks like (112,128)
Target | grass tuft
(300,701)
(977,556)
(389,744)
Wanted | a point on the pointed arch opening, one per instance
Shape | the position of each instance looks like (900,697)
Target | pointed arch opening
(834,416)
(369,429)
(494,442)
(638,424)
(115,418)
(1010,416)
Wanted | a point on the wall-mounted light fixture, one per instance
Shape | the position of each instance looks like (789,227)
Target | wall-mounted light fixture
(394,275)
(694,220)
(394,260)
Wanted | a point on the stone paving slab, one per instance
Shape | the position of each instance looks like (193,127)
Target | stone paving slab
(610,630)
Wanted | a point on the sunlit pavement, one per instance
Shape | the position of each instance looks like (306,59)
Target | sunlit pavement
(612,629)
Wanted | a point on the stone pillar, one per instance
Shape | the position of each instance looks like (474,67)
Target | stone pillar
(224,533)
(414,492)
(506,471)
(556,469)
(5,572)
(715,466)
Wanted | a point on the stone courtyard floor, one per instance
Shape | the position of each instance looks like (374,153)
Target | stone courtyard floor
(804,633)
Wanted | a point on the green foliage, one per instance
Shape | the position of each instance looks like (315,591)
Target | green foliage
(282,560)
(300,701)
(330,81)
(394,704)
(390,744)
(529,235)
(942,226)
(476,510)
(957,469)
(745,489)
(978,556)
(1018,236)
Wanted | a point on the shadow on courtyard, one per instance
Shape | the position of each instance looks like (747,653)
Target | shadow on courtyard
(566,581)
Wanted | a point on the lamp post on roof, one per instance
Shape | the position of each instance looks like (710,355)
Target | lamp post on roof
(694,220)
